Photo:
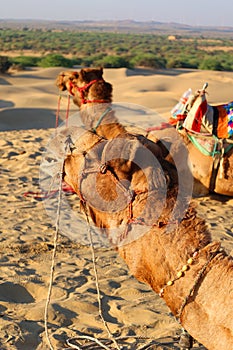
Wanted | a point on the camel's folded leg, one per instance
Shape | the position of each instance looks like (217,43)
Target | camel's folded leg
(186,341)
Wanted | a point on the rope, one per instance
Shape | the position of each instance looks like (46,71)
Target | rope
(201,148)
(86,337)
(58,112)
(123,338)
(52,268)
(53,258)
(47,194)
(229,146)
(110,335)
(67,110)
(101,118)
(162,126)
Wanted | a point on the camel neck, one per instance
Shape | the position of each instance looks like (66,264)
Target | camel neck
(166,255)
(187,279)
(101,119)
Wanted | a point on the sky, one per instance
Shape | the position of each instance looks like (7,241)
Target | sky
(195,13)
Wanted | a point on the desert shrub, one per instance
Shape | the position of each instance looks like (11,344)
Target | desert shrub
(113,62)
(91,61)
(55,60)
(5,64)
(148,60)
(77,61)
(225,58)
(181,63)
(25,61)
(210,63)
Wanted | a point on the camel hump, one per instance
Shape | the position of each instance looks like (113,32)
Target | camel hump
(125,167)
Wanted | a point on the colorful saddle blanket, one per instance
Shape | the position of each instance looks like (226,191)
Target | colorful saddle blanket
(216,120)
(224,124)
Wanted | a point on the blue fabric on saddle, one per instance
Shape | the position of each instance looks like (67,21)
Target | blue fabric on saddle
(204,118)
(225,120)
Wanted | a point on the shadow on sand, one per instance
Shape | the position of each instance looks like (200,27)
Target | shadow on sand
(6,104)
(148,72)
(25,119)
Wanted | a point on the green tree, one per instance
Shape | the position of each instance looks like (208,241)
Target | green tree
(55,60)
(113,62)
(4,64)
(148,60)
(25,61)
(210,63)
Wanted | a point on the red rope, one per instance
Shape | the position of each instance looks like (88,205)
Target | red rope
(160,127)
(84,88)
(67,110)
(47,194)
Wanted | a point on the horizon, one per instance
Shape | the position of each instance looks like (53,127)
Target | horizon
(112,21)
(192,14)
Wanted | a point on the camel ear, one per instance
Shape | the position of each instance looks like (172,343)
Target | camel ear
(75,75)
(88,74)
(60,81)
(100,72)
(82,74)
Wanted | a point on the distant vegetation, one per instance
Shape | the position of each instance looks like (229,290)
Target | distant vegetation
(50,48)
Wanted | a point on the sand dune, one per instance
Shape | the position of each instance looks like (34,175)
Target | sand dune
(28,105)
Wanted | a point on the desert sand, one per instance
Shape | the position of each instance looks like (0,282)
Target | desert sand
(28,105)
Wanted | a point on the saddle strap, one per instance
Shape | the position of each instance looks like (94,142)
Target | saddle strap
(215,121)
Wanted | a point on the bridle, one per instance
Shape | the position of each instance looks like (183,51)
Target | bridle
(82,91)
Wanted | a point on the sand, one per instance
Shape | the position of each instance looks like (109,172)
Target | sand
(28,104)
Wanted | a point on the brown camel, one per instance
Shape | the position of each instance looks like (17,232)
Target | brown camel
(132,195)
(211,160)
(93,96)
(212,169)
(208,134)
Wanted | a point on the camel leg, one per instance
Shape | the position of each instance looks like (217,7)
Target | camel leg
(186,341)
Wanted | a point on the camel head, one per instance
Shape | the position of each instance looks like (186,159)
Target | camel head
(86,86)
(65,79)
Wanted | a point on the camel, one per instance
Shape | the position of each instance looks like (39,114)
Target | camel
(132,196)
(93,96)
(208,134)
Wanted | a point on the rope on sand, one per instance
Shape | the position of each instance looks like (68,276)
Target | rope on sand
(111,340)
(52,269)
(110,335)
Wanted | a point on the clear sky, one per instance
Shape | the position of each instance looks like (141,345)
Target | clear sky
(193,12)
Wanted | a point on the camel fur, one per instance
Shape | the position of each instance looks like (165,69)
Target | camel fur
(201,298)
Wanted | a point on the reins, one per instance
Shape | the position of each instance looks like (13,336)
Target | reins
(41,195)
(68,143)
(58,112)
(82,91)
